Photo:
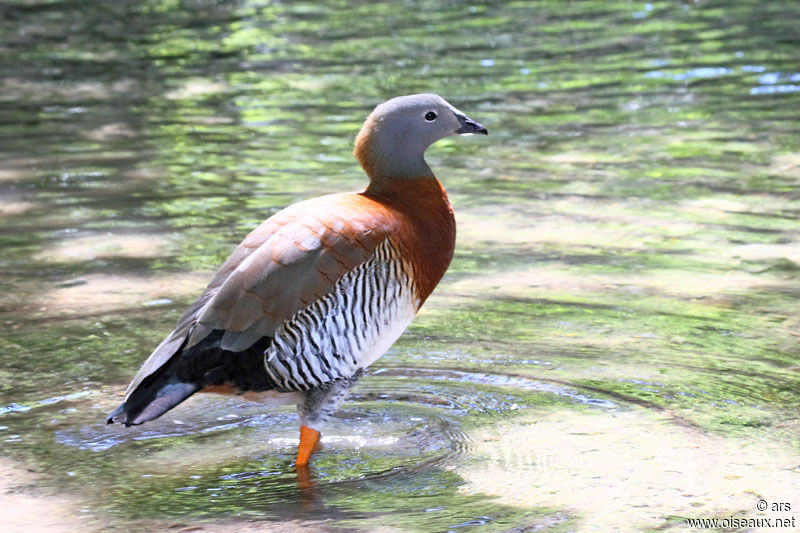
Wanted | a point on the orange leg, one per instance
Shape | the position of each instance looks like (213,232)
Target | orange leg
(308,441)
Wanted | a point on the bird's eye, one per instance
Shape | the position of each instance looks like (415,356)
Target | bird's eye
(430,116)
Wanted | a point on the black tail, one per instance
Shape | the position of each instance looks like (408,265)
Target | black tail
(147,403)
(188,371)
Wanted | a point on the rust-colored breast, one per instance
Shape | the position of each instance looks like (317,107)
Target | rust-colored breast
(426,234)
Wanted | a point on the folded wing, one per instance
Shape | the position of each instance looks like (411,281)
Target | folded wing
(290,261)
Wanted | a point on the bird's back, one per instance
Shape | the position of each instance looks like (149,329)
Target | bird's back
(321,288)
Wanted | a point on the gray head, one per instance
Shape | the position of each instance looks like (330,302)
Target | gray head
(396,134)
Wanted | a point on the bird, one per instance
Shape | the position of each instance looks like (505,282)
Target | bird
(322,288)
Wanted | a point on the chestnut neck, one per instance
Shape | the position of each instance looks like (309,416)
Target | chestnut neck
(419,192)
(426,237)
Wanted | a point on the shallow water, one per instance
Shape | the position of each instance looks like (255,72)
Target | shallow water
(615,346)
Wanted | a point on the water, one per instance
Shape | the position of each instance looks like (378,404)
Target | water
(613,348)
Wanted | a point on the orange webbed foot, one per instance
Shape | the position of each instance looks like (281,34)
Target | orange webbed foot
(309,438)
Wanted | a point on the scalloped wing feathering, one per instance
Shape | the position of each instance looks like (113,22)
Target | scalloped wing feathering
(293,258)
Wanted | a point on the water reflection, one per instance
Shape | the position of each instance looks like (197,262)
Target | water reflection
(624,287)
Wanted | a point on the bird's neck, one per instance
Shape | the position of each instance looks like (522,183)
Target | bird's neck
(385,156)
(401,180)
(426,237)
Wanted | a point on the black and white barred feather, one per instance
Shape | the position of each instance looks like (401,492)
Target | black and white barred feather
(347,329)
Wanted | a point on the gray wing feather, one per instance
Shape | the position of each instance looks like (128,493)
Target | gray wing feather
(292,259)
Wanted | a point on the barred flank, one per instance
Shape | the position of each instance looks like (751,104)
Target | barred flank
(337,334)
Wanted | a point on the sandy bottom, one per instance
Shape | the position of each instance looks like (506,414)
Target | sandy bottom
(89,247)
(630,471)
(10,208)
(26,508)
(108,292)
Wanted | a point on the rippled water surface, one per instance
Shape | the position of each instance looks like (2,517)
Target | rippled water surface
(615,346)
